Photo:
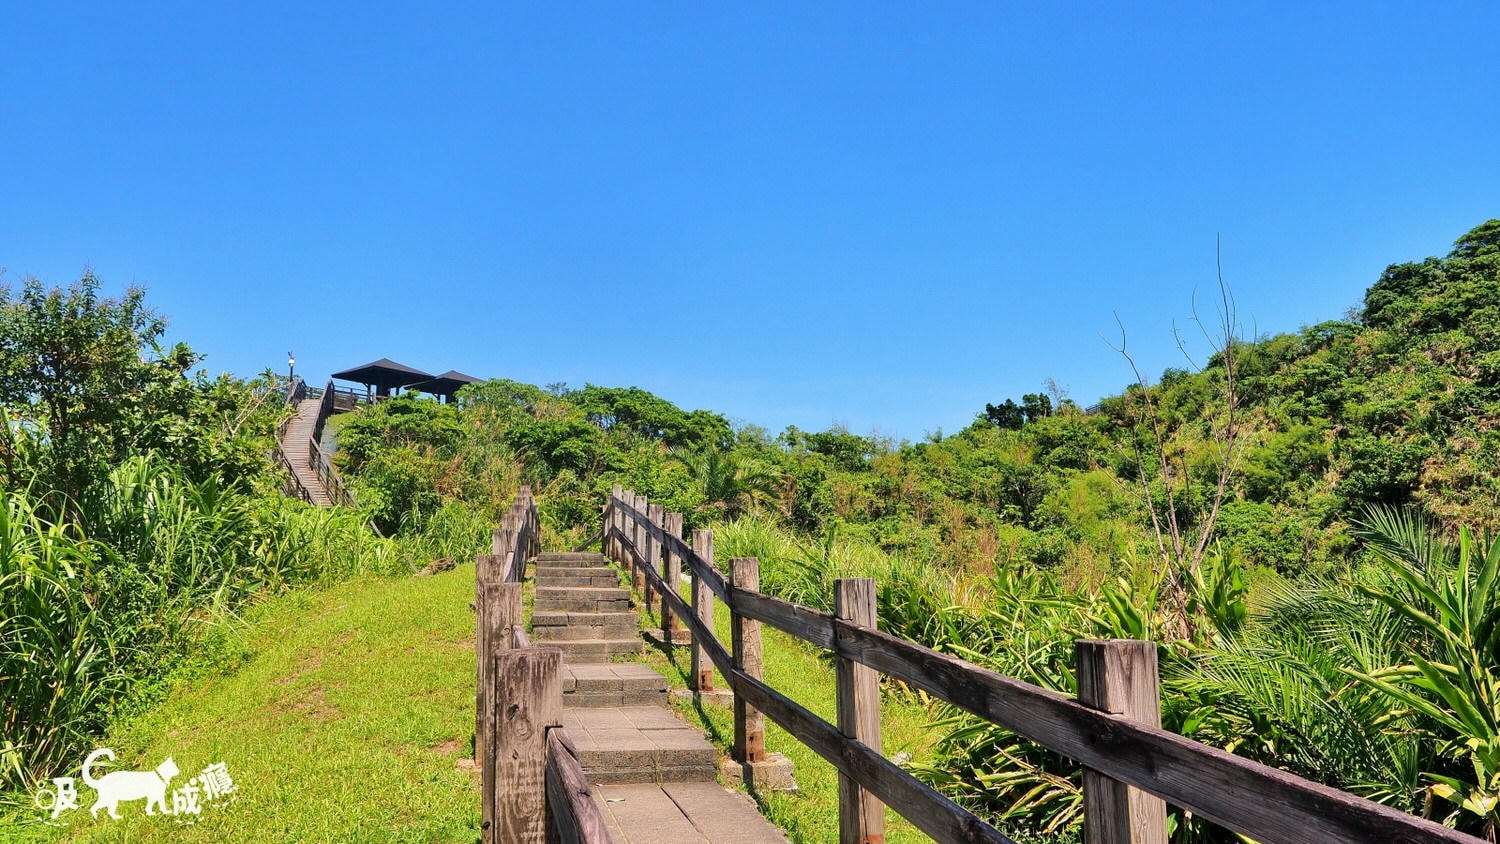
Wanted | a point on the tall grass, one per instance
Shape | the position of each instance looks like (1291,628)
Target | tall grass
(1304,678)
(96,610)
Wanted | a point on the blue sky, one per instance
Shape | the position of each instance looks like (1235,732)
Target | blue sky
(802,214)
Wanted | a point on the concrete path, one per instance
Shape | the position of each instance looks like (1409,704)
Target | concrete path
(654,776)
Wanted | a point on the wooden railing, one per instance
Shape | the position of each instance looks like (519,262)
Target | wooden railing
(296,392)
(1132,767)
(328,476)
(529,770)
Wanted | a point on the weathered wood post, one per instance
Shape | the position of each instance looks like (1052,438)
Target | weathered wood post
(637,532)
(655,515)
(702,677)
(671,575)
(749,722)
(611,518)
(527,701)
(861,816)
(1119,676)
(488,573)
(499,609)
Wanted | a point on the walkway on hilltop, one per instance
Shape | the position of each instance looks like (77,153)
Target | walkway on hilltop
(296,444)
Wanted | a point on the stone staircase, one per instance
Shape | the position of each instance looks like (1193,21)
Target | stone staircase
(582,609)
(616,711)
(655,777)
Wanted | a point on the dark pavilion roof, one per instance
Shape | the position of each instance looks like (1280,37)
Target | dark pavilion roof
(445,385)
(384,373)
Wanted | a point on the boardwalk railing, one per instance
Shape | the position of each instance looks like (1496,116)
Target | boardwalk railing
(1132,767)
(296,392)
(332,481)
(529,770)
(317,461)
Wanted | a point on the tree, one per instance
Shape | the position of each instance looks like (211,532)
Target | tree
(1012,416)
(84,382)
(1182,515)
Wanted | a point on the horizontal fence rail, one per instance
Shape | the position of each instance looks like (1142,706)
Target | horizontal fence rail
(1132,766)
(532,783)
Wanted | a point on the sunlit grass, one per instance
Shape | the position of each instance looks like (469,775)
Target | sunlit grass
(341,713)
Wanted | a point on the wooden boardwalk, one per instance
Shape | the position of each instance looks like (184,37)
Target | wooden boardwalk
(654,777)
(297,443)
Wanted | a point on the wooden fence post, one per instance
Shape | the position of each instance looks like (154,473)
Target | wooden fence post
(637,531)
(499,609)
(861,816)
(702,677)
(652,553)
(671,574)
(1119,676)
(611,515)
(527,701)
(749,722)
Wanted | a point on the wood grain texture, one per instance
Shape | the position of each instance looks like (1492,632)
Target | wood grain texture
(804,623)
(498,610)
(940,818)
(749,723)
(570,802)
(631,518)
(861,816)
(671,574)
(637,528)
(1255,800)
(702,676)
(1120,677)
(526,702)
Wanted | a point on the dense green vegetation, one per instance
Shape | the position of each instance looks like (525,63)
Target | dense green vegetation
(1295,523)
(1302,525)
(138,514)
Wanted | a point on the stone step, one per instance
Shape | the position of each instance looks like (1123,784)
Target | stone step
(632,744)
(555,625)
(613,684)
(604,576)
(580,651)
(583,598)
(682,813)
(570,559)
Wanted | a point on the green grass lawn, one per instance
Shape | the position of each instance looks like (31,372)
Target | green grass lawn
(343,716)
(347,714)
(804,674)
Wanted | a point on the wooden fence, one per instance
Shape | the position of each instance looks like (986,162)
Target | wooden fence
(529,770)
(296,391)
(1132,767)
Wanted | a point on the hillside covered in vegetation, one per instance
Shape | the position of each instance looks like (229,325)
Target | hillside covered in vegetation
(1295,523)
(1397,406)
(1300,524)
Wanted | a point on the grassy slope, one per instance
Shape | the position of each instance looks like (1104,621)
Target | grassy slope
(345,722)
(342,715)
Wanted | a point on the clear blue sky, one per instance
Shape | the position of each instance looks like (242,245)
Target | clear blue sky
(798,214)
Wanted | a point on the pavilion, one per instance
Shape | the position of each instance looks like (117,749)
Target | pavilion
(383,376)
(446,385)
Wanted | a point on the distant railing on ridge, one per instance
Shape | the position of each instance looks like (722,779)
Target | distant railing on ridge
(296,392)
(317,460)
